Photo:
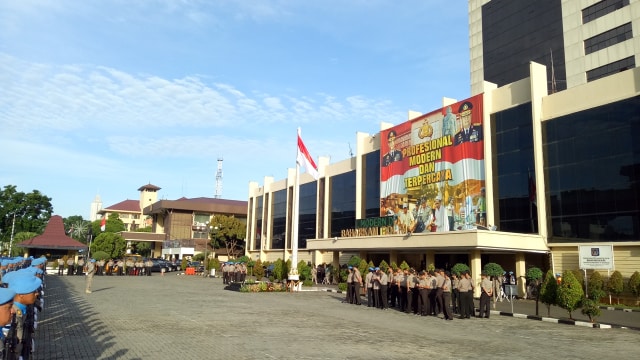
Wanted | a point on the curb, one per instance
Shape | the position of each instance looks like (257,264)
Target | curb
(611,308)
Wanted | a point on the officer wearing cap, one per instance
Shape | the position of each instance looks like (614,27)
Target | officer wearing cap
(60,266)
(349,298)
(368,280)
(393,155)
(446,296)
(6,303)
(469,132)
(383,281)
(485,295)
(91,270)
(26,287)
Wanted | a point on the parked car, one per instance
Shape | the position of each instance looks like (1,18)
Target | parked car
(159,265)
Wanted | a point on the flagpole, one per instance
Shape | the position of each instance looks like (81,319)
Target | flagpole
(293,274)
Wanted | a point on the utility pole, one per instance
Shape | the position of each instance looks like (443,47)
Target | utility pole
(13,228)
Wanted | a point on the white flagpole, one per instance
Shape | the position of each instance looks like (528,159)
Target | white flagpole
(293,274)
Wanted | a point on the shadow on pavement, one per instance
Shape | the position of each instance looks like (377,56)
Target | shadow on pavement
(69,329)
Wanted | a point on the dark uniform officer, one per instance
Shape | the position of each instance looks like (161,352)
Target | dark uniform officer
(468,132)
(26,286)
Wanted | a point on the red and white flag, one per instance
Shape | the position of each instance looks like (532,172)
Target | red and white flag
(304,159)
(103,223)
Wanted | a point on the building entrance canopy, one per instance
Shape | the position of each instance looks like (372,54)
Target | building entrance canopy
(448,241)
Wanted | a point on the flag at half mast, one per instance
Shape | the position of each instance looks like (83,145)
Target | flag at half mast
(304,159)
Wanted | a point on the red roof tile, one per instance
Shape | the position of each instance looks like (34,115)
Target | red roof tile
(54,237)
(127,205)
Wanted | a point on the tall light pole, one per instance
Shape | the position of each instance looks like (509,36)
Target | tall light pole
(13,228)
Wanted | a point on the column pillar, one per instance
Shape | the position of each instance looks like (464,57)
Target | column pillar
(521,271)
(430,259)
(393,257)
(363,256)
(476,268)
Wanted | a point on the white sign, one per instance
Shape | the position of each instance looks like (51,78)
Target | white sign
(596,257)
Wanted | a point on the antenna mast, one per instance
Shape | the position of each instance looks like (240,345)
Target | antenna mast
(218,193)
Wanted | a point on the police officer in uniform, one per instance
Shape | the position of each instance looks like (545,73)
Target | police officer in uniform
(446,296)
(485,296)
(70,268)
(26,286)
(6,304)
(60,266)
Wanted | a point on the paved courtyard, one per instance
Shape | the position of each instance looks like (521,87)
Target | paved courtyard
(187,317)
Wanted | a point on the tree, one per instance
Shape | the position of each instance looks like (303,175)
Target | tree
(304,270)
(258,269)
(77,228)
(595,287)
(493,269)
(384,266)
(363,266)
(634,284)
(112,225)
(111,243)
(354,261)
(142,248)
(404,265)
(534,275)
(570,292)
(227,232)
(616,284)
(32,212)
(459,268)
(17,239)
(549,291)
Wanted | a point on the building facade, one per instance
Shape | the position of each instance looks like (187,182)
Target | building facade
(528,171)
(183,226)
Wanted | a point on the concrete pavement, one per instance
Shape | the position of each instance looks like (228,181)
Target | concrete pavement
(188,317)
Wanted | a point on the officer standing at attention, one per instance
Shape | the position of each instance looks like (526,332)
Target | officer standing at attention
(70,266)
(6,303)
(383,279)
(349,298)
(446,296)
(80,267)
(357,283)
(485,296)
(60,266)
(464,288)
(91,270)
(26,286)
(369,281)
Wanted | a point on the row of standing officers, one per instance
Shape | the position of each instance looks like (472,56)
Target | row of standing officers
(21,301)
(423,293)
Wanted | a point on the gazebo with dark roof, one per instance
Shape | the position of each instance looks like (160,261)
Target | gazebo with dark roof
(53,242)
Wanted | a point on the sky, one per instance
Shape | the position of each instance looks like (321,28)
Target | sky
(103,97)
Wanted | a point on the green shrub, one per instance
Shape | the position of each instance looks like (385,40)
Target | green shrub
(616,284)
(307,283)
(634,284)
(183,264)
(304,270)
(534,276)
(393,265)
(570,292)
(364,268)
(493,269)
(342,286)
(579,275)
(459,268)
(591,309)
(383,266)
(549,291)
(354,261)
(404,265)
(595,287)
(258,269)
(100,255)
(279,269)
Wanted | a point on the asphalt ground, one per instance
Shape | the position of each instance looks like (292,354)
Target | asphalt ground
(191,317)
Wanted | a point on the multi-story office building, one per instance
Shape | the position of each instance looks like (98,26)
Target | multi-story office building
(524,175)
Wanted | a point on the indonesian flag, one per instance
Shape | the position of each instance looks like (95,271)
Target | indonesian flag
(304,159)
(103,223)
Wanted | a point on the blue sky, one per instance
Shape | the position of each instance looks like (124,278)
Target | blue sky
(102,97)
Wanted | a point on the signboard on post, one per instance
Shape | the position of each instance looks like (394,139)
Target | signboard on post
(596,257)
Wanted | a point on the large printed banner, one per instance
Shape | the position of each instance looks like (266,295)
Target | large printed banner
(432,170)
